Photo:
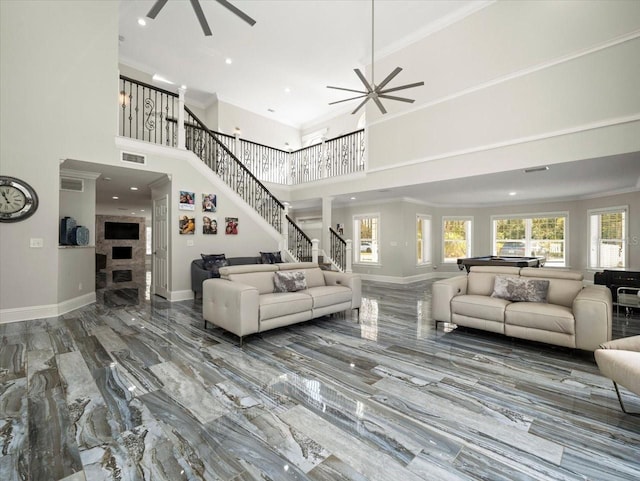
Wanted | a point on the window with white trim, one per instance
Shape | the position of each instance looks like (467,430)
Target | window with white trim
(366,243)
(607,238)
(542,235)
(456,238)
(423,239)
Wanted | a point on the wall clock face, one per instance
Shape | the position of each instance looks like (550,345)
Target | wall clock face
(18,200)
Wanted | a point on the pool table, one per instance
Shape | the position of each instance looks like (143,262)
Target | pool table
(501,261)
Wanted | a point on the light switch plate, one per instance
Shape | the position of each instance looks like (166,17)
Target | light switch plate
(189,243)
(36,242)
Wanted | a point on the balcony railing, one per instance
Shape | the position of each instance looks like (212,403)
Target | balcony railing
(146,112)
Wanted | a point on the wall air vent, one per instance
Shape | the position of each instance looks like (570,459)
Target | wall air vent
(71,184)
(536,169)
(133,158)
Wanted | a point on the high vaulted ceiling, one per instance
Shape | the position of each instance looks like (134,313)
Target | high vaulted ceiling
(301,45)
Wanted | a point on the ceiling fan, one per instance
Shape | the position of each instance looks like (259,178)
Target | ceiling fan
(200,14)
(376,92)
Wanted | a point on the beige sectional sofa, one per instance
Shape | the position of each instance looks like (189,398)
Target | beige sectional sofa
(243,300)
(571,315)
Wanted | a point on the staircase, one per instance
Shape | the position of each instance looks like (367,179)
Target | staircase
(159,116)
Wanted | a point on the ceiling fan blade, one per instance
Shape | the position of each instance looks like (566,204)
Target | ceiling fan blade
(379,104)
(156,8)
(201,18)
(237,11)
(348,90)
(402,87)
(400,99)
(389,78)
(360,106)
(346,100)
(363,79)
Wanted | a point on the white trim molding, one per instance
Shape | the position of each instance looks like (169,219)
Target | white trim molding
(45,311)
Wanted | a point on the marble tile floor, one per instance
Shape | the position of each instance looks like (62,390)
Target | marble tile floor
(143,392)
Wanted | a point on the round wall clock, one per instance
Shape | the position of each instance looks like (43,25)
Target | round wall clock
(18,200)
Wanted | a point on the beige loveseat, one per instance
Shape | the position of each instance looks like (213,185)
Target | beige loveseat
(572,315)
(243,300)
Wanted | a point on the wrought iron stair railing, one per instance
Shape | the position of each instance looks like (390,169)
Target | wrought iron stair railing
(151,114)
(217,156)
(300,246)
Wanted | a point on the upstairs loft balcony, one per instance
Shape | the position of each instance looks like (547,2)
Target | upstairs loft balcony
(152,114)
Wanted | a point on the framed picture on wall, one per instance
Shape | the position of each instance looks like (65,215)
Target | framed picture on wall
(187,200)
(187,225)
(231,225)
(209,225)
(209,202)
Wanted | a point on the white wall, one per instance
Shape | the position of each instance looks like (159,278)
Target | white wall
(256,128)
(58,75)
(512,71)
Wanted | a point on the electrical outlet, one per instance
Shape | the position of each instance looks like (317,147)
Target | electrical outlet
(189,243)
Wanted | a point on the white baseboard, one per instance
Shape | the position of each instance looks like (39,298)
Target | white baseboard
(49,310)
(180,295)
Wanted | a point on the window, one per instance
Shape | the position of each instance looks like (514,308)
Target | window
(532,235)
(366,229)
(456,238)
(607,238)
(423,239)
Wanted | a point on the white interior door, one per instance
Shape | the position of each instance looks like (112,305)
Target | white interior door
(160,276)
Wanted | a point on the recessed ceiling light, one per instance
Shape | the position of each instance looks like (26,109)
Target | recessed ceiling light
(352,198)
(107,178)
(133,188)
(115,197)
(287,90)
(183,87)
(142,22)
(141,210)
(133,213)
(512,193)
(270,110)
(228,61)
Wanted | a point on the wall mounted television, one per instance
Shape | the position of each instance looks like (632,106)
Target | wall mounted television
(122,230)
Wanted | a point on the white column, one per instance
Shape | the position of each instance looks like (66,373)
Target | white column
(326,223)
(349,256)
(314,250)
(181,132)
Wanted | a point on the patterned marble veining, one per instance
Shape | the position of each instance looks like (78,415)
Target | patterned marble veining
(144,392)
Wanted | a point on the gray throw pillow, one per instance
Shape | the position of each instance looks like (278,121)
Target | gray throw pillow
(289,281)
(520,289)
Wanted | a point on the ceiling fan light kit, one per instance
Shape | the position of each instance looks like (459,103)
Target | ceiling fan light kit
(375,92)
(197,8)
